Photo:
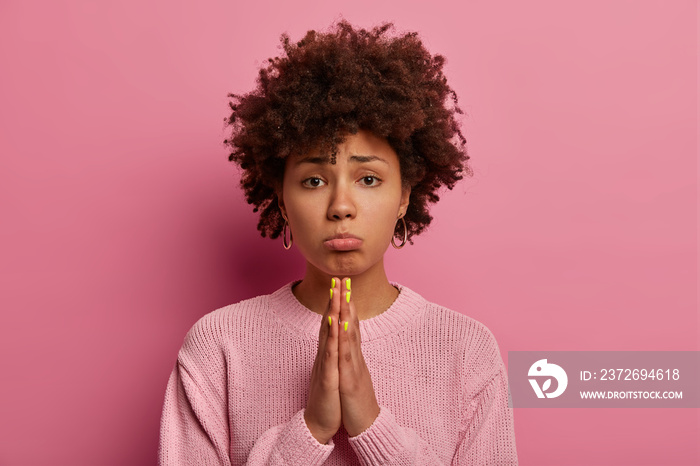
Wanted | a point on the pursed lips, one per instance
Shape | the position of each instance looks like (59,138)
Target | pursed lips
(343,242)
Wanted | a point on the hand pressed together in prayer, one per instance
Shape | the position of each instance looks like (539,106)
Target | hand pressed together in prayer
(340,390)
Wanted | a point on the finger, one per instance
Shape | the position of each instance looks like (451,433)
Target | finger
(355,338)
(326,324)
(334,303)
(344,305)
(330,323)
(348,312)
(349,328)
(333,312)
(351,318)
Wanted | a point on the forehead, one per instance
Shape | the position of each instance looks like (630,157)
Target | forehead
(324,160)
(363,147)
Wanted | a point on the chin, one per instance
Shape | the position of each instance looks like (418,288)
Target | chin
(342,265)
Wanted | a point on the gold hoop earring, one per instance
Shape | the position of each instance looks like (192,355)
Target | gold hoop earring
(405,235)
(284,236)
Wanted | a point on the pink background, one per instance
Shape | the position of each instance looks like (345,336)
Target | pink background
(122,222)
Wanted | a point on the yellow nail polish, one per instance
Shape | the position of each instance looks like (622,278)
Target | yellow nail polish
(332,282)
(330,321)
(347,297)
(346,326)
(347,283)
(331,293)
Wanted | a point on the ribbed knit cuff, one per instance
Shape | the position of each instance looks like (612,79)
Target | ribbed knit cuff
(298,446)
(380,442)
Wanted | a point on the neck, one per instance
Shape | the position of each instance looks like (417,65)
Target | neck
(371,291)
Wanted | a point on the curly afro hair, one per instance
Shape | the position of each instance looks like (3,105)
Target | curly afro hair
(332,84)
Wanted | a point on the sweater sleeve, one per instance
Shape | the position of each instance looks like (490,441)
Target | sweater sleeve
(489,439)
(289,443)
(195,421)
(386,442)
(487,436)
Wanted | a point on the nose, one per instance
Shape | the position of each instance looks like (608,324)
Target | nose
(341,205)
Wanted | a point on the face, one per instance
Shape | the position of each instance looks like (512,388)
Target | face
(360,195)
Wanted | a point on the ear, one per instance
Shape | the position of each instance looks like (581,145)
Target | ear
(405,198)
(280,204)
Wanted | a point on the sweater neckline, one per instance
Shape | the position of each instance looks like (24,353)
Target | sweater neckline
(302,320)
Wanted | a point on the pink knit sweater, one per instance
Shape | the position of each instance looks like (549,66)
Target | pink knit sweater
(239,388)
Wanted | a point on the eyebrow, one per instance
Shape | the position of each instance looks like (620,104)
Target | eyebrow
(353,158)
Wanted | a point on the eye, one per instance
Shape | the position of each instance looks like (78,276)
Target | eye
(371,178)
(313,182)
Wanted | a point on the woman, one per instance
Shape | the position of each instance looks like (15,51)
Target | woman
(344,142)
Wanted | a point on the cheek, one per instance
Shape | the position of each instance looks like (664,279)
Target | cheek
(306,220)
(382,219)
